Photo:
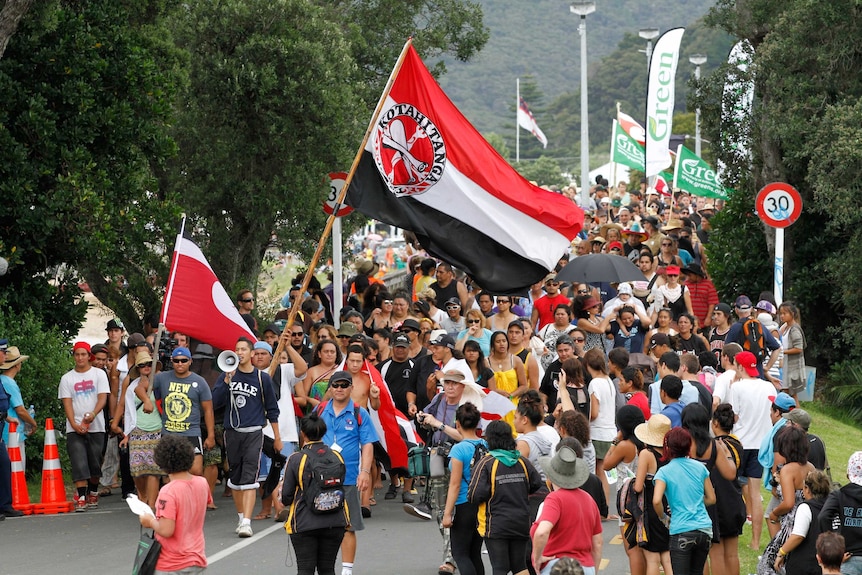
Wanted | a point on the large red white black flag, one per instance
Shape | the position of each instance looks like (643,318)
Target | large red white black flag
(195,302)
(425,168)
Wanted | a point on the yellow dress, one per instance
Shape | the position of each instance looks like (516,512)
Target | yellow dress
(507,380)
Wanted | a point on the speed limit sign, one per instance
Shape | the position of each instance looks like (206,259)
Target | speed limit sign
(336,182)
(778,204)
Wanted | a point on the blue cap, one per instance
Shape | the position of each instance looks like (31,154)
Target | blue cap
(264,346)
(783,401)
(182,352)
(4,343)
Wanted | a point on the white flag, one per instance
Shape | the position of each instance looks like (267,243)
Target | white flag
(528,122)
(660,100)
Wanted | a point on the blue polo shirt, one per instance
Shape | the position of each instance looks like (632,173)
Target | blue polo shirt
(350,435)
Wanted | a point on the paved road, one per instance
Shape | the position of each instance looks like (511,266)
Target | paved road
(104,541)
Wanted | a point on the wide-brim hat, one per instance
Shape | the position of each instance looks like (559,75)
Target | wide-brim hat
(653,431)
(367,267)
(603,230)
(142,358)
(565,469)
(694,269)
(13,358)
(635,230)
(673,224)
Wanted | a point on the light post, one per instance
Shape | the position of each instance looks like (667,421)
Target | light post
(648,34)
(582,9)
(698,60)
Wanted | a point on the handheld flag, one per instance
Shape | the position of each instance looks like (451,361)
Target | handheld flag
(195,302)
(528,122)
(660,100)
(424,168)
(631,127)
(694,175)
(625,149)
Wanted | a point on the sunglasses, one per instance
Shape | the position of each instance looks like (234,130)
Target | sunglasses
(179,360)
(453,307)
(389,301)
(552,283)
(297,333)
(503,301)
(665,244)
(579,340)
(583,291)
(344,336)
(673,275)
(142,365)
(247,300)
(340,385)
(473,321)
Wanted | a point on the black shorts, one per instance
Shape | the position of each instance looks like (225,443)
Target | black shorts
(197,444)
(85,454)
(750,466)
(243,457)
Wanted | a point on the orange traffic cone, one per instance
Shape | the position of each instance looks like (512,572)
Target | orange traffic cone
(20,496)
(53,488)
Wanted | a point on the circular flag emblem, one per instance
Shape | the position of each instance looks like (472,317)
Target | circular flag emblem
(408,150)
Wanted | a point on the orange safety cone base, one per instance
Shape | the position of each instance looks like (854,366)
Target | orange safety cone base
(53,487)
(20,495)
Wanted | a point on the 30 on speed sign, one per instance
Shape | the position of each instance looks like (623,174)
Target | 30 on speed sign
(336,182)
(778,204)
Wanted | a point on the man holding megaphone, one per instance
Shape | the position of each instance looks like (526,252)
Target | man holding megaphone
(186,400)
(249,396)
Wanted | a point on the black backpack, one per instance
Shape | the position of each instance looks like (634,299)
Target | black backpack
(480,450)
(325,493)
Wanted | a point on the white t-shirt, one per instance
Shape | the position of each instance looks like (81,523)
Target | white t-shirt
(802,520)
(549,433)
(84,389)
(130,412)
(750,401)
(603,428)
(286,416)
(721,388)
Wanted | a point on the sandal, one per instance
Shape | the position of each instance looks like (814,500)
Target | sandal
(105,492)
(446,569)
(262,515)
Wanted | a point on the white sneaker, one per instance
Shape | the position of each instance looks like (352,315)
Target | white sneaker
(245,531)
(238,526)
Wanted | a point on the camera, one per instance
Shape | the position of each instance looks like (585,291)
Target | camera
(420,417)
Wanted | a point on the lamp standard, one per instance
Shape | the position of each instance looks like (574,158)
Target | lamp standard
(582,9)
(698,60)
(648,34)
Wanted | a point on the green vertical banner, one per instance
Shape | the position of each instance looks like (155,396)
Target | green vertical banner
(625,149)
(695,176)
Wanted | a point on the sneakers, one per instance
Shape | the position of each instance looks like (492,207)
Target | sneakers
(81,504)
(366,512)
(421,510)
(245,531)
(238,526)
(407,496)
(11,512)
(391,492)
(93,500)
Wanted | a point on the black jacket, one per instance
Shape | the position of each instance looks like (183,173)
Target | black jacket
(843,512)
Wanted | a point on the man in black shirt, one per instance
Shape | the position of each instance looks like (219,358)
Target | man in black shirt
(816,449)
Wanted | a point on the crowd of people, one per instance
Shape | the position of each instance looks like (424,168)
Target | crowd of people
(691,403)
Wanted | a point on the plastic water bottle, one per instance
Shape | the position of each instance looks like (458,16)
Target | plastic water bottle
(32,412)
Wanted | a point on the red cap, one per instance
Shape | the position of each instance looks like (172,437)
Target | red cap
(615,244)
(81,345)
(748,361)
(672,270)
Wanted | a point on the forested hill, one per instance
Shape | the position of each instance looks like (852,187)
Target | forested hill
(539,38)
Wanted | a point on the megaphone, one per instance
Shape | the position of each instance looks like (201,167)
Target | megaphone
(227,361)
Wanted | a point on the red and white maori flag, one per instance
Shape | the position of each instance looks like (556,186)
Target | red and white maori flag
(195,302)
(425,168)
(528,122)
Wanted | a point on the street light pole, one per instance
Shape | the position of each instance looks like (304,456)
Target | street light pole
(648,34)
(698,60)
(582,9)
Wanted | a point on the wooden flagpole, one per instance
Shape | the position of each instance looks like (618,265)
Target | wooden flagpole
(294,309)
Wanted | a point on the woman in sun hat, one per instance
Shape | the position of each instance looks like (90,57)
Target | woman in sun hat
(657,545)
(569,524)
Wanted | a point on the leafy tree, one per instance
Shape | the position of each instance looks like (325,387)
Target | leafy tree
(272,109)
(545,172)
(802,131)
(87,91)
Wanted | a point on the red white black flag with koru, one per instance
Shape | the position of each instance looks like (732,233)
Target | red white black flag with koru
(425,168)
(195,302)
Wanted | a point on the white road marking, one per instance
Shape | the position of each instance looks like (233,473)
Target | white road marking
(244,543)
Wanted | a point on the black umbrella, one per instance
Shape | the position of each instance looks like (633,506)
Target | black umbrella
(595,268)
